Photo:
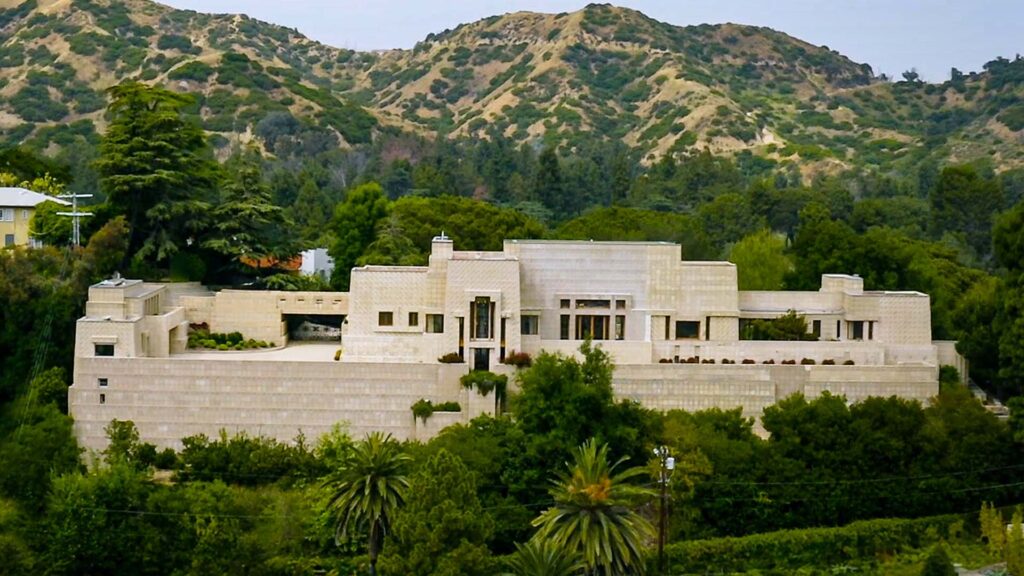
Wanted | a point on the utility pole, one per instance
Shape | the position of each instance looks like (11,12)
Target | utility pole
(666,465)
(76,216)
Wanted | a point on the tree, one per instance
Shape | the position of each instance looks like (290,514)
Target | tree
(1015,544)
(355,226)
(548,186)
(543,558)
(728,218)
(248,225)
(443,528)
(367,491)
(938,563)
(965,202)
(594,513)
(761,261)
(155,168)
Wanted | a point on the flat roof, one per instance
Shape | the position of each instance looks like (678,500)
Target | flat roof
(587,242)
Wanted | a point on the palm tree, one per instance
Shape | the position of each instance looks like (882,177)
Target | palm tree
(367,490)
(594,514)
(543,558)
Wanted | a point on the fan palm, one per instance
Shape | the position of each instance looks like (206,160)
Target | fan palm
(543,558)
(367,489)
(594,514)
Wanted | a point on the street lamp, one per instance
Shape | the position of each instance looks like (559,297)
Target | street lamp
(667,465)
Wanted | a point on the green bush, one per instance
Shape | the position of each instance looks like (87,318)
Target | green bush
(195,70)
(450,358)
(789,550)
(485,382)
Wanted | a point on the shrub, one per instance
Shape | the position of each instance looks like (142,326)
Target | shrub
(665,361)
(519,359)
(769,362)
(423,409)
(727,361)
(450,358)
(708,361)
(337,355)
(848,363)
(748,361)
(807,361)
(789,361)
(235,337)
(785,551)
(828,362)
(692,360)
(222,347)
(484,382)
(938,563)
(450,406)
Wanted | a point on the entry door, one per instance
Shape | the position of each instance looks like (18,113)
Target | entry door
(481,358)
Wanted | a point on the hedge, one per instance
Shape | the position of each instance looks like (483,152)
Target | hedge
(791,549)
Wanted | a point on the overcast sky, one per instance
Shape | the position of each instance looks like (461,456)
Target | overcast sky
(890,35)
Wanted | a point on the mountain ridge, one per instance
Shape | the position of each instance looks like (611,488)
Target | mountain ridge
(557,79)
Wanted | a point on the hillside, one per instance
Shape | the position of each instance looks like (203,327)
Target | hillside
(600,72)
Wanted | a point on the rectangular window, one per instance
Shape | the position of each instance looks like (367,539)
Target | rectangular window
(871,330)
(8,239)
(686,329)
(620,304)
(839,331)
(816,328)
(563,331)
(529,325)
(414,318)
(385,319)
(582,304)
(481,318)
(24,214)
(707,327)
(593,327)
(857,330)
(6,214)
(103,398)
(564,303)
(104,349)
(435,323)
(102,382)
(620,327)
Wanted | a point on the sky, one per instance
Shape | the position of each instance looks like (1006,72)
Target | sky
(892,36)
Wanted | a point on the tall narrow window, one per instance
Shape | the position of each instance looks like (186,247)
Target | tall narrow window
(482,318)
(103,398)
(414,318)
(839,331)
(871,330)
(462,338)
(501,351)
(857,330)
(707,327)
(593,327)
(563,332)
(816,328)
(620,327)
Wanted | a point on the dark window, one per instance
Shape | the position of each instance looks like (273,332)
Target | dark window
(620,327)
(481,359)
(435,323)
(707,327)
(816,328)
(529,325)
(593,327)
(871,330)
(620,304)
(593,303)
(686,329)
(103,398)
(857,330)
(9,240)
(564,303)
(462,338)
(102,382)
(385,319)
(563,332)
(839,331)
(414,318)
(481,318)
(104,349)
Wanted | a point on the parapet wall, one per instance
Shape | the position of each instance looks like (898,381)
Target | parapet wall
(171,398)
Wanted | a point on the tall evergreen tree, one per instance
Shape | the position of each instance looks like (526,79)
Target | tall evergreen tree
(248,225)
(155,168)
(548,186)
(355,226)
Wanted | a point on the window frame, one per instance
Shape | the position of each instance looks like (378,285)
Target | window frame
(385,318)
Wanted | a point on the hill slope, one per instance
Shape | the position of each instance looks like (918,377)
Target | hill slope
(600,72)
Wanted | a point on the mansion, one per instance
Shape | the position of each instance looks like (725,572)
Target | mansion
(673,329)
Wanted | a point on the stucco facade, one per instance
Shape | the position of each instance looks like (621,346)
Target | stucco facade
(17,206)
(639,301)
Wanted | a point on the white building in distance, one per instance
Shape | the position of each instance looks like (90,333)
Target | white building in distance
(672,328)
